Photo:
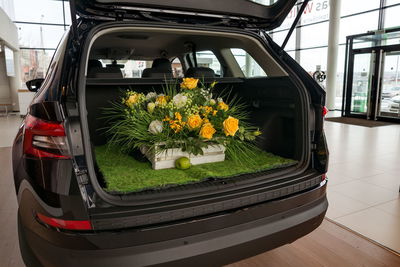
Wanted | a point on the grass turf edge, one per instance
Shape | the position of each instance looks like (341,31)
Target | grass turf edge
(124,174)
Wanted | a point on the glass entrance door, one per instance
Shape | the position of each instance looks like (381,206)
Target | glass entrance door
(389,104)
(359,86)
(372,76)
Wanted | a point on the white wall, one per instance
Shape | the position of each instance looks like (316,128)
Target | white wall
(9,85)
(8,31)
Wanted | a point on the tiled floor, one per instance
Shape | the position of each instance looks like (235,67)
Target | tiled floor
(363,186)
(364,180)
(8,129)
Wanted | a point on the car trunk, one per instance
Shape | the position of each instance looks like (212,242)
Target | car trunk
(273,104)
(277,104)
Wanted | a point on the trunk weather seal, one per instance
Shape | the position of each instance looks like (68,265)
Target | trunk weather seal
(121,200)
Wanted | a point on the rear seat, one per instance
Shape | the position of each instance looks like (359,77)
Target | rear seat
(161,68)
(96,70)
(200,72)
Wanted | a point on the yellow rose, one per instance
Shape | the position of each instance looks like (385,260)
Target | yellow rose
(231,125)
(223,106)
(194,122)
(189,83)
(133,99)
(207,131)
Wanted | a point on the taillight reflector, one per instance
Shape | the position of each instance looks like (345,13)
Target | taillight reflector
(44,139)
(325,111)
(65,224)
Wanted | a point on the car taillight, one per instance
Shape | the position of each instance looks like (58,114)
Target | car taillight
(323,176)
(44,139)
(65,224)
(325,111)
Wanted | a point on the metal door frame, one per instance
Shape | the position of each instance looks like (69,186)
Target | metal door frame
(374,96)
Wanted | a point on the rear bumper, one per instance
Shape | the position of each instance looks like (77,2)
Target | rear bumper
(205,249)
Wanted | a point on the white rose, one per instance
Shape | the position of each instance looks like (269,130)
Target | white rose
(151,95)
(180,100)
(155,127)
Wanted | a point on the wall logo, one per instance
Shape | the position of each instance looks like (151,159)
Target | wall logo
(315,11)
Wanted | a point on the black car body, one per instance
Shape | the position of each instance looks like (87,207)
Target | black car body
(65,218)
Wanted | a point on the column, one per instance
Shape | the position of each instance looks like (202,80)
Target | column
(16,80)
(333,47)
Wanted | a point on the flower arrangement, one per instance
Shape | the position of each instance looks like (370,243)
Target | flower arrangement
(189,117)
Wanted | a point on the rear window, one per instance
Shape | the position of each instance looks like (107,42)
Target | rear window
(164,54)
(247,63)
(135,68)
(209,60)
(129,68)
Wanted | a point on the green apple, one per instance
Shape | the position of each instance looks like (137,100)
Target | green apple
(182,163)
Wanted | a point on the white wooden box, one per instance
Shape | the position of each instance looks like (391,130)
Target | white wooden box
(166,159)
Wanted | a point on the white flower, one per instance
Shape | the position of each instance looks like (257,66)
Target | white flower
(151,95)
(220,99)
(212,102)
(155,127)
(180,100)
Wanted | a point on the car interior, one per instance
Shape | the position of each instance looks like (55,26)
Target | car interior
(145,61)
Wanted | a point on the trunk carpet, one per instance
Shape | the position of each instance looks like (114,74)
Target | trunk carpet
(123,174)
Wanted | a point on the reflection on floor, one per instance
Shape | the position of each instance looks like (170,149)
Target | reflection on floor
(364,180)
(329,245)
(363,192)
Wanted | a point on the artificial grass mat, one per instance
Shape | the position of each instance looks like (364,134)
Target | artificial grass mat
(123,174)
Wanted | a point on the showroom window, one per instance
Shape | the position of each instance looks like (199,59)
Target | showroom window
(279,37)
(315,11)
(351,25)
(311,58)
(357,6)
(45,11)
(39,36)
(34,63)
(314,35)
(41,25)
(392,16)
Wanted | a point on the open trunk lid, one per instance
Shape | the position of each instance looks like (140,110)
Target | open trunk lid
(265,14)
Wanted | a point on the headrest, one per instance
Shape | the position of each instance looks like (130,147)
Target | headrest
(156,73)
(162,64)
(200,72)
(120,66)
(92,63)
(109,72)
(160,68)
